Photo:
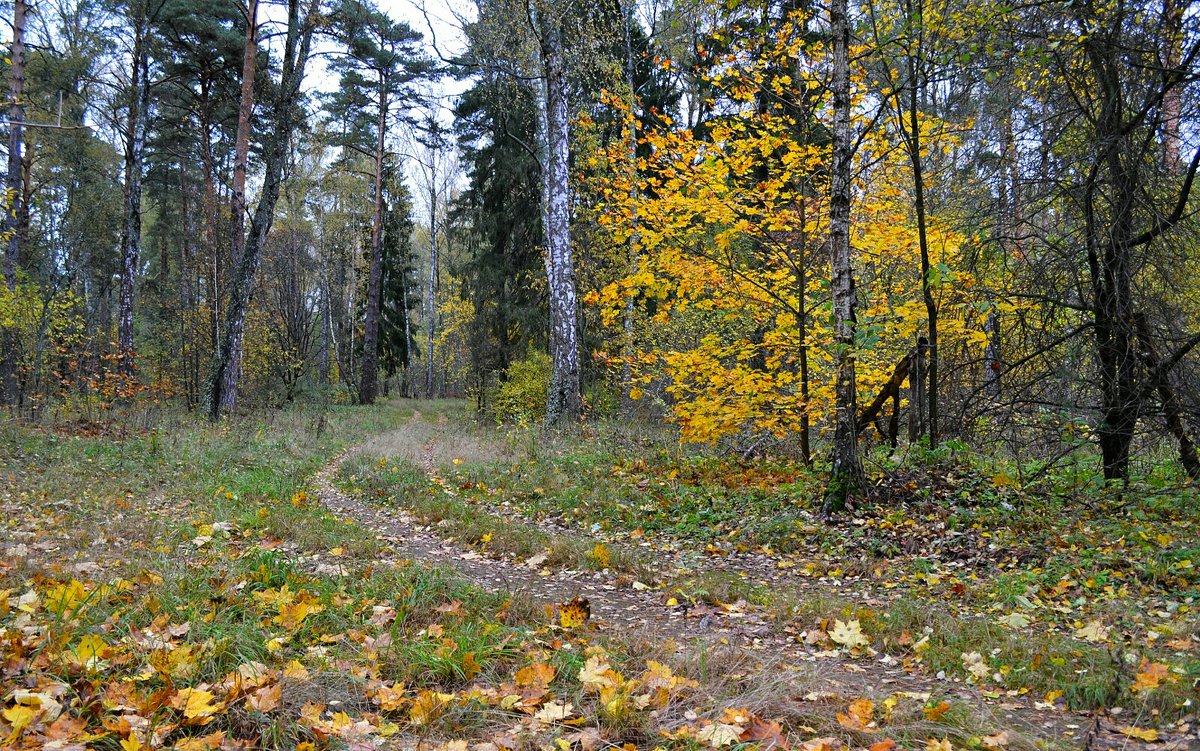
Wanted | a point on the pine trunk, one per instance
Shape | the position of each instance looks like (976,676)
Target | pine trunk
(368,385)
(295,56)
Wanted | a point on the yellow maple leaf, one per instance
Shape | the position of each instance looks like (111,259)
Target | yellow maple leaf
(198,706)
(292,615)
(64,597)
(936,744)
(553,712)
(575,613)
(849,634)
(295,671)
(1143,734)
(720,734)
(596,673)
(601,555)
(201,742)
(427,706)
(1095,632)
(19,718)
(390,698)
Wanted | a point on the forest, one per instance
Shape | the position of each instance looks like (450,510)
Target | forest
(515,375)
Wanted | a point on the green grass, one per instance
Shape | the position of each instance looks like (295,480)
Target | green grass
(949,540)
(403,484)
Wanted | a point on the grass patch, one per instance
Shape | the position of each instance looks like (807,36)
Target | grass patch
(404,484)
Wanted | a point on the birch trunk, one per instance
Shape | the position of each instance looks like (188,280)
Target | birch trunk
(237,203)
(846,473)
(131,230)
(431,305)
(564,402)
(16,115)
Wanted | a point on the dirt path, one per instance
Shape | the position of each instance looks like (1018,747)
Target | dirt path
(640,615)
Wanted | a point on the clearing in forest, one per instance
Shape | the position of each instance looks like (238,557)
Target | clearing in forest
(280,584)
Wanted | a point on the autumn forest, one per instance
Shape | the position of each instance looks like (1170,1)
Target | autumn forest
(661,375)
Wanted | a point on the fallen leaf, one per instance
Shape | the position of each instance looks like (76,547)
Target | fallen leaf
(1142,734)
(849,634)
(858,716)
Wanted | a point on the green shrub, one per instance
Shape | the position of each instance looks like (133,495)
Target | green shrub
(522,396)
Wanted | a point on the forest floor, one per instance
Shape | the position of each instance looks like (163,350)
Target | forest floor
(280,582)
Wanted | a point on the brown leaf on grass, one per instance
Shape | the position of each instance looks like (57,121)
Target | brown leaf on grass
(200,742)
(933,714)
(1150,676)
(826,743)
(858,716)
(536,675)
(265,699)
(767,732)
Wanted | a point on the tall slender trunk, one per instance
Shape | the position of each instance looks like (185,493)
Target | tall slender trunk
(368,385)
(131,230)
(16,116)
(214,272)
(918,174)
(408,337)
(297,45)
(564,402)
(1110,262)
(634,201)
(846,477)
(1173,42)
(431,305)
(802,334)
(1010,225)
(237,203)
(1172,410)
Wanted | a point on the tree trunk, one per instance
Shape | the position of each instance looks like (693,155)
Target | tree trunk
(237,204)
(16,116)
(431,305)
(913,140)
(846,477)
(295,57)
(1172,411)
(564,403)
(368,385)
(131,230)
(634,200)
(1172,54)
(1109,259)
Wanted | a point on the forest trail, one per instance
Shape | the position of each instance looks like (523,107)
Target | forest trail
(638,614)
